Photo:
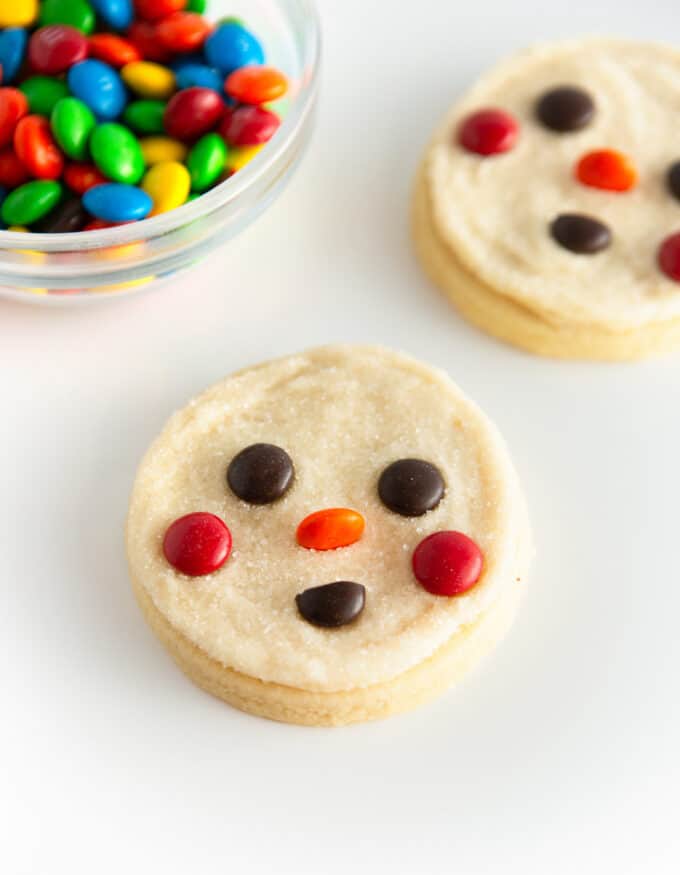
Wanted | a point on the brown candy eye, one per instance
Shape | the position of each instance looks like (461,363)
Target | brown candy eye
(260,474)
(565,109)
(411,487)
(673,180)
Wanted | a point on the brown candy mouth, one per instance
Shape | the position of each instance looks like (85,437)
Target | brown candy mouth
(332,604)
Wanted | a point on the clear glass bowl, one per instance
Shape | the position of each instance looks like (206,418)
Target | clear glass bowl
(88,266)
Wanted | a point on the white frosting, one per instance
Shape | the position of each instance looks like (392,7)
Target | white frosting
(343,414)
(495,212)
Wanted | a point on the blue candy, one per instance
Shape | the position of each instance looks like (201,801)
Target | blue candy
(231,46)
(116,13)
(186,60)
(115,202)
(12,49)
(99,86)
(190,75)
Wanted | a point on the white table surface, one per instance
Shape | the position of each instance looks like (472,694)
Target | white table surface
(560,755)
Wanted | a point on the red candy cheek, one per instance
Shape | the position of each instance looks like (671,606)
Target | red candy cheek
(447,563)
(197,544)
(488,132)
(669,257)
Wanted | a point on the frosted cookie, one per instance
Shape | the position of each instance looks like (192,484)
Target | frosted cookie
(330,537)
(548,203)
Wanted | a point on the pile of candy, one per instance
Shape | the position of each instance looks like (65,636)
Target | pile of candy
(112,111)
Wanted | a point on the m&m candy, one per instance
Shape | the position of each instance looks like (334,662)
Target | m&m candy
(112,111)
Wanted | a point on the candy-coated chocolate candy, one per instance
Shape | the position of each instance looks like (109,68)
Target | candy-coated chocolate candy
(12,50)
(115,13)
(114,202)
(65,218)
(72,123)
(260,473)
(117,153)
(30,202)
(183,31)
(192,113)
(190,75)
(249,126)
(231,46)
(673,180)
(99,86)
(488,132)
(332,604)
(153,10)
(331,528)
(256,85)
(197,544)
(13,106)
(145,116)
(56,48)
(99,225)
(12,171)
(43,92)
(565,109)
(18,13)
(207,161)
(239,156)
(81,177)
(143,35)
(197,6)
(113,49)
(447,563)
(411,487)
(37,149)
(607,169)
(669,257)
(77,13)
(157,149)
(581,234)
(148,79)
(168,184)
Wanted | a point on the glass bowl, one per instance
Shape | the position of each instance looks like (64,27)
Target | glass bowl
(88,266)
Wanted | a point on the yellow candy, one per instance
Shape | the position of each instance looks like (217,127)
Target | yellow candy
(239,156)
(168,185)
(149,80)
(18,229)
(157,149)
(18,13)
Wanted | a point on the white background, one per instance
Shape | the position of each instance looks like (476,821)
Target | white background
(559,756)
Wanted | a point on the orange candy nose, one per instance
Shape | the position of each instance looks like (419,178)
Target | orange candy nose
(608,169)
(330,529)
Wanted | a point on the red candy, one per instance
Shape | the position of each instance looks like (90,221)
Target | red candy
(197,544)
(255,84)
(113,49)
(488,132)
(183,31)
(13,106)
(81,177)
(248,126)
(607,169)
(192,113)
(152,10)
(55,48)
(37,149)
(669,257)
(142,34)
(447,563)
(12,171)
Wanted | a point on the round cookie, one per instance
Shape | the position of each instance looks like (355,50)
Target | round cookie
(547,206)
(330,537)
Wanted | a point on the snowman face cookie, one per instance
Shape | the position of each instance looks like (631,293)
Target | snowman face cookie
(555,184)
(327,521)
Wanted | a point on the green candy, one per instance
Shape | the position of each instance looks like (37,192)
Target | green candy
(42,93)
(197,6)
(30,202)
(145,116)
(117,153)
(72,123)
(77,13)
(206,161)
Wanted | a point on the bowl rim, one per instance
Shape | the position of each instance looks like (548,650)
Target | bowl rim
(217,198)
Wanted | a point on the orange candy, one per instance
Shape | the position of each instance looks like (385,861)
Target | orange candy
(183,31)
(330,529)
(113,49)
(256,85)
(607,169)
(36,148)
